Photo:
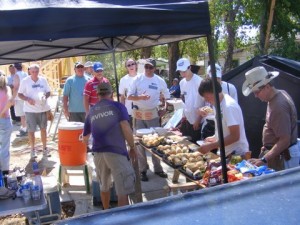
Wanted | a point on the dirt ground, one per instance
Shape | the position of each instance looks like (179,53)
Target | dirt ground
(20,159)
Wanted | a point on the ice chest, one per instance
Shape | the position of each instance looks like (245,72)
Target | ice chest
(71,149)
(53,210)
(96,193)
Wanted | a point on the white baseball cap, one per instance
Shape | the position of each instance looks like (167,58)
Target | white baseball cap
(218,71)
(88,64)
(183,64)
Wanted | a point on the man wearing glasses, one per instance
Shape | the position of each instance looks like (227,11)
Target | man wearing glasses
(73,95)
(90,89)
(145,92)
(280,148)
(125,83)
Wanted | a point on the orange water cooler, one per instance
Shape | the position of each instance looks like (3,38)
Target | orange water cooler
(72,151)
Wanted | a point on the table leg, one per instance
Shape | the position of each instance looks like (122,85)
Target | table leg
(37,215)
(137,196)
(175,176)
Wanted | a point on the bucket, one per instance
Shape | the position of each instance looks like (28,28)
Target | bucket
(72,152)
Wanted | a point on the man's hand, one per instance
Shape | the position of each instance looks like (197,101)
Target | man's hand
(67,114)
(256,162)
(144,96)
(205,148)
(30,101)
(132,154)
(196,125)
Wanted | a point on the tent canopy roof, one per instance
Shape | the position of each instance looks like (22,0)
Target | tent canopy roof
(38,30)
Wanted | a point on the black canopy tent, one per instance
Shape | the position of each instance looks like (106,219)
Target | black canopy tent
(254,110)
(38,30)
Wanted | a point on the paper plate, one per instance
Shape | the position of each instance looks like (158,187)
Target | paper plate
(141,132)
(160,131)
(200,142)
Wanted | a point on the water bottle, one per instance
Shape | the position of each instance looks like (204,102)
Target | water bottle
(1,179)
(37,177)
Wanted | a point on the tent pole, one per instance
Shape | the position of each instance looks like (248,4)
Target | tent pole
(218,109)
(116,76)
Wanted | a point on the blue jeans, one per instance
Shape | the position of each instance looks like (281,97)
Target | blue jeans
(6,129)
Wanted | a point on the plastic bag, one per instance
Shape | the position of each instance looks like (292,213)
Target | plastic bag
(6,193)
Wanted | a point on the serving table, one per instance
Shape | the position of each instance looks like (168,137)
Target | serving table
(18,205)
(194,184)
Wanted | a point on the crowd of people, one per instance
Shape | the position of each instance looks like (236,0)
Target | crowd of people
(88,98)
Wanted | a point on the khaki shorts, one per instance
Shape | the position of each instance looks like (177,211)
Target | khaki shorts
(36,119)
(111,165)
(19,111)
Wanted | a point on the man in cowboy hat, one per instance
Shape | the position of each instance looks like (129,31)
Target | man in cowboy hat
(280,149)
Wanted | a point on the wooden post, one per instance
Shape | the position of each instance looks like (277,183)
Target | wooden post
(268,31)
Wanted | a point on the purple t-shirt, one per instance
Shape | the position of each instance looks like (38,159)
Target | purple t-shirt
(103,121)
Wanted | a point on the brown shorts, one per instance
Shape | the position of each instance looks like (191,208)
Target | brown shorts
(111,165)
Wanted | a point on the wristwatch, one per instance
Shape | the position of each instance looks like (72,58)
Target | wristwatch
(263,159)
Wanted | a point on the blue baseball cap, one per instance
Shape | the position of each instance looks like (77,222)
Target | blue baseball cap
(98,66)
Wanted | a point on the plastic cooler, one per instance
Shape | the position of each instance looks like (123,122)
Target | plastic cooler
(53,210)
(96,191)
(72,151)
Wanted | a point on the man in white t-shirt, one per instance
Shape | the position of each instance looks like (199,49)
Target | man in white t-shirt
(191,122)
(227,88)
(19,103)
(145,92)
(35,90)
(125,83)
(232,122)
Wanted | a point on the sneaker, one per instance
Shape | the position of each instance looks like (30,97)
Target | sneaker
(162,174)
(33,154)
(46,153)
(22,133)
(144,176)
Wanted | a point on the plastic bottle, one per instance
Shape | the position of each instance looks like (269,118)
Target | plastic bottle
(37,177)
(1,179)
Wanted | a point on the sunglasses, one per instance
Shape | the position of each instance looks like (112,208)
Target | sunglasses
(147,67)
(79,67)
(129,65)
(99,71)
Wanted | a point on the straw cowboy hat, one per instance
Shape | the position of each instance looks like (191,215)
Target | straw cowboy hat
(256,78)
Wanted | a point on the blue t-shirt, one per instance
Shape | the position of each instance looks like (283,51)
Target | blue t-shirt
(73,88)
(103,122)
(175,91)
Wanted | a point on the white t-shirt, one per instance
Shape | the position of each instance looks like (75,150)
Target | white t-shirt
(151,86)
(228,88)
(35,91)
(231,114)
(125,84)
(193,101)
(21,75)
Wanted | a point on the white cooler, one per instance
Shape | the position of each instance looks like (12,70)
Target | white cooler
(53,210)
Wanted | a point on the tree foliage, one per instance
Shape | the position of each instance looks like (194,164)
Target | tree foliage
(229,19)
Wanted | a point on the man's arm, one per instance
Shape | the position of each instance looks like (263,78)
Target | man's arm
(16,84)
(85,139)
(86,103)
(138,97)
(127,132)
(234,136)
(122,99)
(65,105)
(282,144)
